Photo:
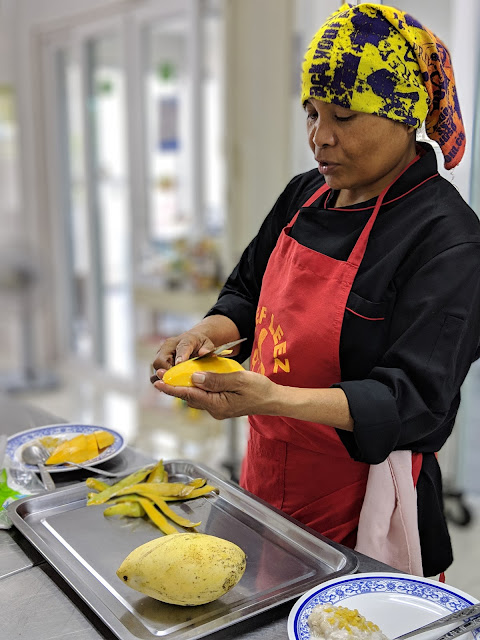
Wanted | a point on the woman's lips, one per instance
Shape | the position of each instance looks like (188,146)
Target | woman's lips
(327,168)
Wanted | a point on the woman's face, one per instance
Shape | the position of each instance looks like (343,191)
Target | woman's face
(358,153)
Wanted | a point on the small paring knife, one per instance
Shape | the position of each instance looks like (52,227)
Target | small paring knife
(462,615)
(219,350)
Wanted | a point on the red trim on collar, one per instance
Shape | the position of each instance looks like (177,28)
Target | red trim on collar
(387,201)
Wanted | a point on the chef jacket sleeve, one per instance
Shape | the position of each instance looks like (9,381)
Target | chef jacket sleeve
(406,400)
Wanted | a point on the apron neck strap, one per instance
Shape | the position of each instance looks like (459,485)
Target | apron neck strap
(358,250)
(316,195)
(310,201)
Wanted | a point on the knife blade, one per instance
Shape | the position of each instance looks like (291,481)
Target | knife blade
(218,350)
(462,614)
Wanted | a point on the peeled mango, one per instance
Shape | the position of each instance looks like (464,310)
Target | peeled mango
(184,568)
(81,448)
(181,374)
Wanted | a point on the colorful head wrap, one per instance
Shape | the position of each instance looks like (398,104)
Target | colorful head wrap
(377,59)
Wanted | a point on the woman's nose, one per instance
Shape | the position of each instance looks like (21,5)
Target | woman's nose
(322,134)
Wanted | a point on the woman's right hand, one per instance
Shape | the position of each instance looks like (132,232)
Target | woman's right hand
(197,341)
(181,348)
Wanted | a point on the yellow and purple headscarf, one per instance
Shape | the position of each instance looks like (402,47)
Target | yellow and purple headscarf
(376,59)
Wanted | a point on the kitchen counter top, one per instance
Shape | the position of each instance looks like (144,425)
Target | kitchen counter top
(37,604)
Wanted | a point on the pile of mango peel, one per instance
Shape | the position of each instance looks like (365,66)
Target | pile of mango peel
(146,492)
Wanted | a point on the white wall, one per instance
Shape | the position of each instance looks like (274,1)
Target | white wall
(6,24)
(9,222)
(465,49)
(258,67)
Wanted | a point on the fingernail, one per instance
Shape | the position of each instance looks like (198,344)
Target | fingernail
(198,377)
(178,359)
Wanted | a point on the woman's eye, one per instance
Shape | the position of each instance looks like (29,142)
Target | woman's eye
(312,115)
(343,119)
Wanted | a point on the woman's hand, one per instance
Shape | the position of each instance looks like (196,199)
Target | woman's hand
(226,395)
(180,348)
(199,340)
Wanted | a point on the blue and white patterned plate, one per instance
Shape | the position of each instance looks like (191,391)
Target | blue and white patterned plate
(396,602)
(16,443)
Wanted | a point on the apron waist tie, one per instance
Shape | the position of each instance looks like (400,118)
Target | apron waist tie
(388,524)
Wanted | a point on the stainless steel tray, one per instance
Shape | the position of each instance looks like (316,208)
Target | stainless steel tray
(283,559)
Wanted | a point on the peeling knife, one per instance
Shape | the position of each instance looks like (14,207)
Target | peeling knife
(218,350)
(461,615)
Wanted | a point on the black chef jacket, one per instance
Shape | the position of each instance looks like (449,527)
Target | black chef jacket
(412,324)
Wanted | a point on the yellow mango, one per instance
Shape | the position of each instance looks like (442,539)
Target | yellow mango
(184,568)
(104,439)
(181,374)
(66,448)
(78,449)
(91,449)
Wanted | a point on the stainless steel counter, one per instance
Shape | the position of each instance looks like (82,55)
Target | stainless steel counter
(37,604)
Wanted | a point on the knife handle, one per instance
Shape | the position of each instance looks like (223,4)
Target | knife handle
(461,629)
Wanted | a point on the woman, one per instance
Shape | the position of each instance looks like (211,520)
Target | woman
(359,298)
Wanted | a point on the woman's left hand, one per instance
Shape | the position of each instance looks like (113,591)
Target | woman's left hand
(226,395)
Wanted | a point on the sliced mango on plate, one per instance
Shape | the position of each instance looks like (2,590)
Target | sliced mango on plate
(81,448)
(78,449)
(104,439)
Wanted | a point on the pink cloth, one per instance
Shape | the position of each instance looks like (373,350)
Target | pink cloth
(388,525)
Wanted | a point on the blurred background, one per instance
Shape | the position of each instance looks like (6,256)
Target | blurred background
(142,142)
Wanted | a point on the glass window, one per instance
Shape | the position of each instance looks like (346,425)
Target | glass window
(73,201)
(9,203)
(166,117)
(10,221)
(111,224)
(212,168)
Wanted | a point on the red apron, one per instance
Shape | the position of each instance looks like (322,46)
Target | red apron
(297,466)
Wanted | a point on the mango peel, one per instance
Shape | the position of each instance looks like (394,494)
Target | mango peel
(181,374)
(147,491)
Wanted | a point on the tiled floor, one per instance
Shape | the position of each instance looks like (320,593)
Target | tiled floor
(151,423)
